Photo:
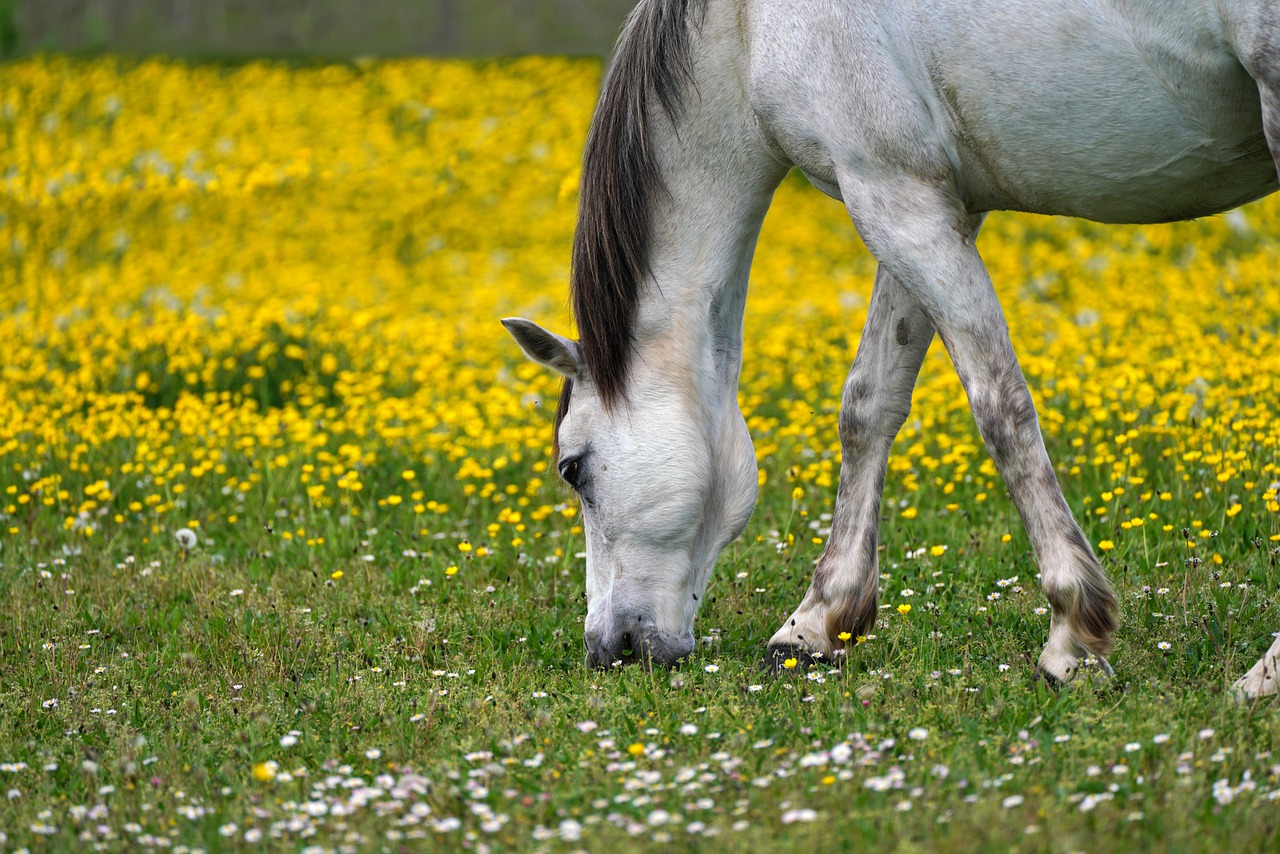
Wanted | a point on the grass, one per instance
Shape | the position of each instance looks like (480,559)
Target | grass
(375,637)
(180,680)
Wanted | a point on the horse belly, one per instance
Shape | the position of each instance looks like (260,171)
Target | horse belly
(1121,174)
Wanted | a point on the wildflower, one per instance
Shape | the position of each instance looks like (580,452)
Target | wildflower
(1106,545)
(265,772)
(904,609)
(790,663)
(712,668)
(186,538)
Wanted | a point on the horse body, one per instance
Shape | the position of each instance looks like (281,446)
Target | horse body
(921,117)
(1114,112)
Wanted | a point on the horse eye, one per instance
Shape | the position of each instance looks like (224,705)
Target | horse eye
(571,471)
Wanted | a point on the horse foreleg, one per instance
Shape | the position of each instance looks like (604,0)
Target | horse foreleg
(841,601)
(923,236)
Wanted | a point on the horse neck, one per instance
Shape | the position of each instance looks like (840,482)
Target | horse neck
(719,179)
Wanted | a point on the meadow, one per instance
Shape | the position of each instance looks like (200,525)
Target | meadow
(283,564)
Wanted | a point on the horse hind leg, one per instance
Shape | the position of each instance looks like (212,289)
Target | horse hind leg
(841,601)
(1263,679)
(1263,62)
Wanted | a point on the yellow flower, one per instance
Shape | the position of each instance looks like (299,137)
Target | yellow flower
(636,749)
(336,574)
(265,772)
(452,570)
(1106,545)
(790,663)
(844,636)
(904,609)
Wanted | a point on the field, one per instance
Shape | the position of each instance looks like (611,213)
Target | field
(284,566)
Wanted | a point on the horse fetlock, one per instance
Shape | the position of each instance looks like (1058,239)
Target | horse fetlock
(1086,606)
(854,615)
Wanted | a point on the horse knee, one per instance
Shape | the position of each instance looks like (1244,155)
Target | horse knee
(1005,413)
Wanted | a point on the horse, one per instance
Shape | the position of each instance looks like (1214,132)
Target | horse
(920,116)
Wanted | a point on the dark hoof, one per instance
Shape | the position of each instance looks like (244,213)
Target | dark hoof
(1102,681)
(775,660)
(1042,675)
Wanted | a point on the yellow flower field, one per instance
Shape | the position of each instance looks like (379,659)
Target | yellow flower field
(216,273)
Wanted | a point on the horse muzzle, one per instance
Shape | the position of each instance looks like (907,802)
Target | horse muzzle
(646,645)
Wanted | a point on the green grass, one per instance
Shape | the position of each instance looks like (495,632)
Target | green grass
(196,664)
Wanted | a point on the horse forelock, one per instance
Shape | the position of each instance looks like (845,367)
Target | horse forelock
(620,181)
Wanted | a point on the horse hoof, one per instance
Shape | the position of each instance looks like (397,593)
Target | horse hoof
(1042,675)
(788,657)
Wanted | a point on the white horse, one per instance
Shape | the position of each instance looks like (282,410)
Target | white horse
(920,116)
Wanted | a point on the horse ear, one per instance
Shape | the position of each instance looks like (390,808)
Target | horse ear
(546,348)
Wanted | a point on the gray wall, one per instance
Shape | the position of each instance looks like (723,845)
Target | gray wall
(336,28)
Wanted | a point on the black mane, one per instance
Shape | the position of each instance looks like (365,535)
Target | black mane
(620,180)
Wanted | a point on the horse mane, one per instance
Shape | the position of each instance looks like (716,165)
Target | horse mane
(620,180)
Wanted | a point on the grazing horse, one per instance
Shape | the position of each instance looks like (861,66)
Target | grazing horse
(920,116)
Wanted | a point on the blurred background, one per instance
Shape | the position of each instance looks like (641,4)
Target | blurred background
(336,28)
